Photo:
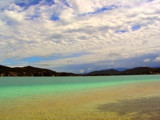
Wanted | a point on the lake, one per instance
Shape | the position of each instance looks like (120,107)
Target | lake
(80,98)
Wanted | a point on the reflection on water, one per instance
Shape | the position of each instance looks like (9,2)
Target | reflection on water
(139,109)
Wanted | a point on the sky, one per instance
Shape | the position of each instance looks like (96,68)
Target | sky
(80,36)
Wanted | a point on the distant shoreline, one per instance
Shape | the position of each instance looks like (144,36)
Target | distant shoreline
(30,71)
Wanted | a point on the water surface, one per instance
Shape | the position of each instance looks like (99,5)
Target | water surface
(22,86)
(80,98)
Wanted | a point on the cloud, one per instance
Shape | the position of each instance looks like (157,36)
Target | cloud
(82,71)
(89,69)
(157,59)
(106,30)
(147,60)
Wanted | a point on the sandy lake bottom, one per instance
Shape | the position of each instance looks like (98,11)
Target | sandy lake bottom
(132,101)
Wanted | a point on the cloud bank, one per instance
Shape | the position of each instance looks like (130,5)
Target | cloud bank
(75,32)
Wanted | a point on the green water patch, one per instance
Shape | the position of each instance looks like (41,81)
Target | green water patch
(34,81)
(29,86)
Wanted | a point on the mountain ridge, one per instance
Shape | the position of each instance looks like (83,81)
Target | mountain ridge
(132,71)
(30,71)
(34,71)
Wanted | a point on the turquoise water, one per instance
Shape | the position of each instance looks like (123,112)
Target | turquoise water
(27,86)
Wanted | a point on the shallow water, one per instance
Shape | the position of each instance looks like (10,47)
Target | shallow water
(79,98)
(23,86)
(142,106)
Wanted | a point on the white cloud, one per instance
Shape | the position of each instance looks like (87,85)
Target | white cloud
(157,59)
(82,71)
(147,60)
(89,69)
(30,32)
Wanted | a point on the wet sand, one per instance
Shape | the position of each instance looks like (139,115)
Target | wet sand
(136,101)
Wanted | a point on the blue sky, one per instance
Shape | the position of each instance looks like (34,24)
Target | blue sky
(80,35)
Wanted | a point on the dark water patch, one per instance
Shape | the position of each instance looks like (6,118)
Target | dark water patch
(143,108)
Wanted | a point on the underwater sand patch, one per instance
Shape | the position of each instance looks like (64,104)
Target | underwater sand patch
(137,109)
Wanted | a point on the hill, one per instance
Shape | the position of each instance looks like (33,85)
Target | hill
(30,71)
(33,71)
(133,71)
